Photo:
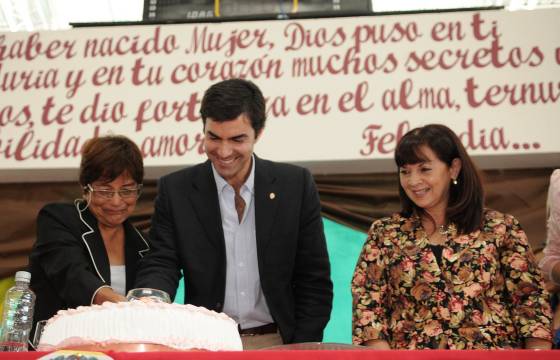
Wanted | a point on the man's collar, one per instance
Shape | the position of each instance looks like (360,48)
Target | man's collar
(249,183)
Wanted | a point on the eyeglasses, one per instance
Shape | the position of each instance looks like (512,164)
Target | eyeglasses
(124,193)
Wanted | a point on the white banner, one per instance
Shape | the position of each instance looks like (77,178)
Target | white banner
(339,90)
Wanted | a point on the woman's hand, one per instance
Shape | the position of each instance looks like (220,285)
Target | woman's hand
(551,287)
(537,344)
(378,344)
(107,294)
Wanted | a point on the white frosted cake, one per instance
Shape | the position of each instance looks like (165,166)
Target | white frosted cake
(178,327)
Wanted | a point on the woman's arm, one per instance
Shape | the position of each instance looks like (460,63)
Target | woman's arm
(527,298)
(60,253)
(377,344)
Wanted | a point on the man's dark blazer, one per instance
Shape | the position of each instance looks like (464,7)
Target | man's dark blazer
(294,268)
(68,262)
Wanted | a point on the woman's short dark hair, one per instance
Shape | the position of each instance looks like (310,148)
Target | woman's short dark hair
(466,198)
(107,157)
(228,99)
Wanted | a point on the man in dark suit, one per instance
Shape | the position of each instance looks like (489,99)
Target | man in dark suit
(247,233)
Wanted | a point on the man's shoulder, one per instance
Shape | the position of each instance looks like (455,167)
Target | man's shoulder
(185,174)
(281,168)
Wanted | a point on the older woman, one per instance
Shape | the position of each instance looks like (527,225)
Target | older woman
(446,272)
(87,252)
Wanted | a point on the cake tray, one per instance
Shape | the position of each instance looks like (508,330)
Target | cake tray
(123,347)
(317,346)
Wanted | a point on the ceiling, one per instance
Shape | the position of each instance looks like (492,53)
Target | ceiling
(32,15)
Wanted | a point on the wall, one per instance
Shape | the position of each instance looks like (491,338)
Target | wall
(340,91)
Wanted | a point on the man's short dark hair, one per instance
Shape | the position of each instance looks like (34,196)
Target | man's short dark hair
(228,99)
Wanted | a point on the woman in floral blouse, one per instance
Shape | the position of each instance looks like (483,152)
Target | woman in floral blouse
(445,272)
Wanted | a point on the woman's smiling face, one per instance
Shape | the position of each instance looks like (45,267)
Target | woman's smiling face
(427,183)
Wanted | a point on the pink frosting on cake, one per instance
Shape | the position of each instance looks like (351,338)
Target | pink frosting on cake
(176,326)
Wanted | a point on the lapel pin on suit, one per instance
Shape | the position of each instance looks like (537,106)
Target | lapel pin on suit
(272,196)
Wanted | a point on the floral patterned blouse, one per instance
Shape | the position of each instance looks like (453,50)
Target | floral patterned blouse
(487,293)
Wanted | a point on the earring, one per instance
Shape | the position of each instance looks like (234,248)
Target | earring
(455,182)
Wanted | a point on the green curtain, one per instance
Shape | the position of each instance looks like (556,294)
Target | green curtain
(5,284)
(344,245)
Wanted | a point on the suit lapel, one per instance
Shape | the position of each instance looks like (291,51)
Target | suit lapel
(135,248)
(266,204)
(204,199)
(95,246)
